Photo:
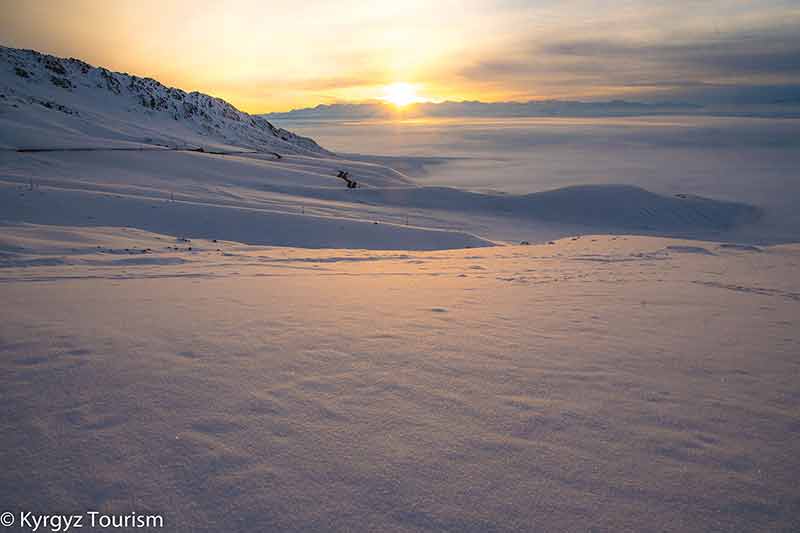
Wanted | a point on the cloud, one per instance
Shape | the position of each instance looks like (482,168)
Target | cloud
(623,63)
(768,51)
(268,55)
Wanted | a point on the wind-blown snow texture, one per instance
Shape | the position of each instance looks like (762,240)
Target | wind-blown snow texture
(597,384)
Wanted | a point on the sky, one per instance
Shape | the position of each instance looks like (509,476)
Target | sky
(265,56)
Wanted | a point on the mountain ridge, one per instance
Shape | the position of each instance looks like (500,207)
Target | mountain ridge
(538,108)
(466,108)
(83,94)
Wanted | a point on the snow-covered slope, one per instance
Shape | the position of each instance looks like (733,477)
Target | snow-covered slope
(88,106)
(596,384)
(298,201)
(83,146)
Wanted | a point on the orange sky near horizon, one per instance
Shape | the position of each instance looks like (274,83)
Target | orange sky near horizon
(275,56)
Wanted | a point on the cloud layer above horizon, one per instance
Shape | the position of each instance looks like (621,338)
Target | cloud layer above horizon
(272,56)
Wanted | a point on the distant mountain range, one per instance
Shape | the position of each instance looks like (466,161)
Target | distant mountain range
(537,108)
(94,105)
(542,108)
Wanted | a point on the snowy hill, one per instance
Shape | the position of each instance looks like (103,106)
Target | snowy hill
(84,146)
(95,105)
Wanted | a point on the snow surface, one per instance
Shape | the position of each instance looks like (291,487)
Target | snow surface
(747,160)
(235,340)
(604,383)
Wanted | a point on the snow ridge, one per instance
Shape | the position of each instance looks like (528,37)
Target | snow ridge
(76,89)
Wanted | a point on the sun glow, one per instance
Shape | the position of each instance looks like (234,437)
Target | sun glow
(401,94)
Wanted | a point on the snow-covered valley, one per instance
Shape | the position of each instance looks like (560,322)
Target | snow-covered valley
(192,165)
(200,319)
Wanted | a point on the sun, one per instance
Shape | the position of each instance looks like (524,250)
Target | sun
(401,94)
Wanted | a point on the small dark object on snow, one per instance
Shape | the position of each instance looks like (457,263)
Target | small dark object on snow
(343,174)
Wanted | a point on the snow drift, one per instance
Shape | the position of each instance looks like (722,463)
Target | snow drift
(621,207)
